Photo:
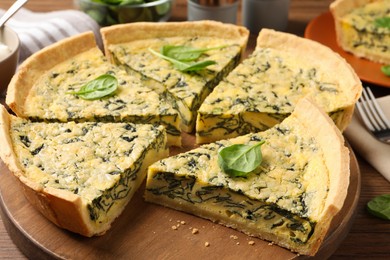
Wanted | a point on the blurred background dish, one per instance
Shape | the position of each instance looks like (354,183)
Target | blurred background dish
(109,12)
(9,54)
(322,30)
(37,30)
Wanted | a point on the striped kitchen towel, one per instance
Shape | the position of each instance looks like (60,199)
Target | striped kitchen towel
(38,30)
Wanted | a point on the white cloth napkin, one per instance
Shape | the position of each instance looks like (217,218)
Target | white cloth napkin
(38,30)
(373,151)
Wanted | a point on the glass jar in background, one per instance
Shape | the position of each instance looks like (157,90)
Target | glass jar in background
(219,10)
(258,14)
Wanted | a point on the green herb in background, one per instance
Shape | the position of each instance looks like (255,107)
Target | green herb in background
(382,22)
(110,12)
(119,2)
(100,87)
(380,206)
(239,160)
(184,66)
(386,70)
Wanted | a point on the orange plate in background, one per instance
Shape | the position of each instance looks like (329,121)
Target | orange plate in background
(322,29)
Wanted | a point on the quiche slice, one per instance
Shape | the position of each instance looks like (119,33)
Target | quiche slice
(265,87)
(79,175)
(132,46)
(290,199)
(361,28)
(42,89)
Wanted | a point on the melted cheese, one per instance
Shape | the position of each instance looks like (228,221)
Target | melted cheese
(188,89)
(264,90)
(103,163)
(49,99)
(284,197)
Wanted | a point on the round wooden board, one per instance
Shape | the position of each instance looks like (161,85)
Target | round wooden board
(144,230)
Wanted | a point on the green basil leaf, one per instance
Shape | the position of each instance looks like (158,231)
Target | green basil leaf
(383,22)
(178,64)
(380,206)
(185,53)
(184,66)
(386,70)
(198,65)
(239,160)
(100,87)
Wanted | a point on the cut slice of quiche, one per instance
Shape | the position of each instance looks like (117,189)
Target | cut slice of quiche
(265,87)
(134,47)
(290,199)
(79,175)
(44,86)
(362,28)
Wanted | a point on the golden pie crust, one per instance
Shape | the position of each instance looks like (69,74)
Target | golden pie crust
(124,33)
(60,207)
(336,157)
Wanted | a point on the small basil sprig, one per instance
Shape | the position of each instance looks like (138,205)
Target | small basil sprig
(185,53)
(386,70)
(238,160)
(100,87)
(380,206)
(184,66)
(383,22)
(183,57)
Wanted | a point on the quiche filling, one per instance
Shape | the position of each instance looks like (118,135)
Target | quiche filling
(102,163)
(49,98)
(188,88)
(361,32)
(262,91)
(233,205)
(284,196)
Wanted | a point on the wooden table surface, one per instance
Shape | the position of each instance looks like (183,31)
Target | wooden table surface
(369,237)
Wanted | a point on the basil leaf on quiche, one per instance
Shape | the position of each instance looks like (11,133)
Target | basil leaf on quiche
(100,87)
(238,160)
(184,66)
(380,206)
(185,53)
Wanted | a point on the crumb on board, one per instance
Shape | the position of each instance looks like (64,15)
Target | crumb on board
(234,237)
(251,242)
(206,244)
(195,231)
(174,227)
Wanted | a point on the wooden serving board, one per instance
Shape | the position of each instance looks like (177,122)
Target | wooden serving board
(144,230)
